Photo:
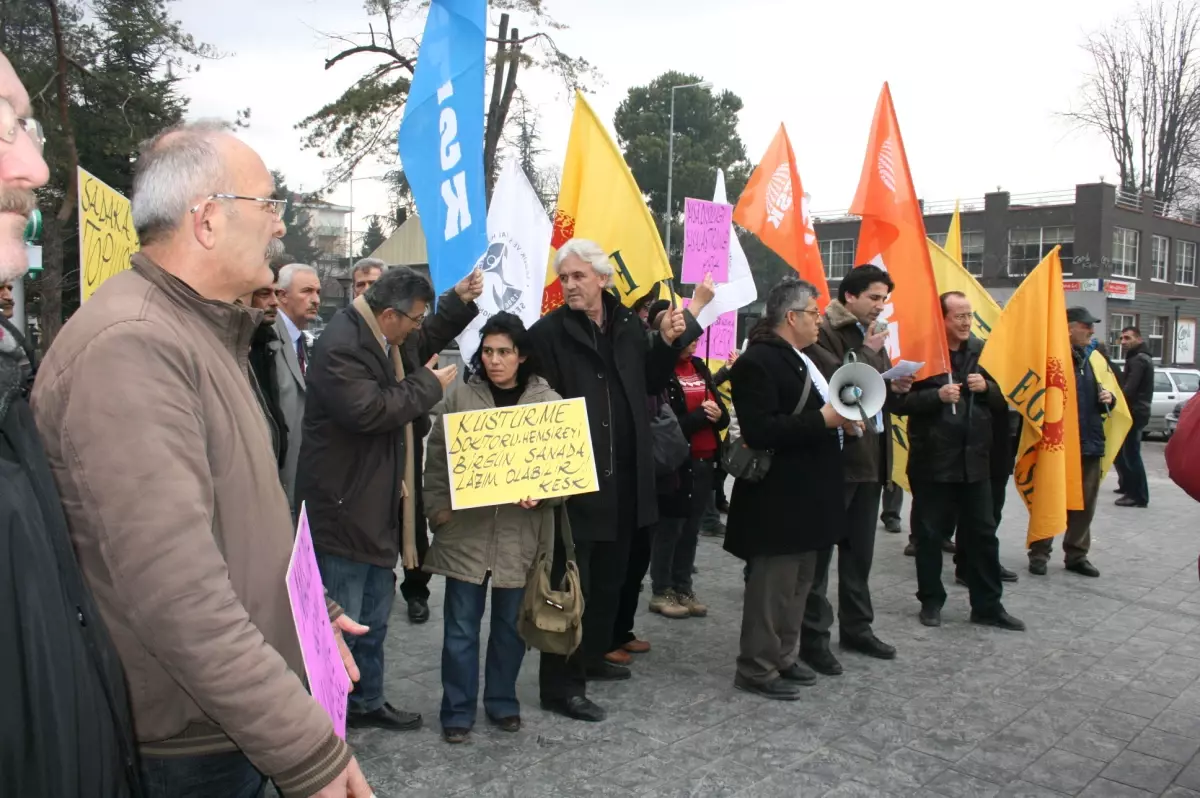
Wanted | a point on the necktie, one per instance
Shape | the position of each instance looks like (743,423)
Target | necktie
(303,358)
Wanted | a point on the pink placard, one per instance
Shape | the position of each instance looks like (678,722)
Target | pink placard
(327,679)
(719,338)
(706,230)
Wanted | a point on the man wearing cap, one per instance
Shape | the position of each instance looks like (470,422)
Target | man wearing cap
(1094,402)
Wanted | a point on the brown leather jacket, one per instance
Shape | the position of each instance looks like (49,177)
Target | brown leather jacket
(164,462)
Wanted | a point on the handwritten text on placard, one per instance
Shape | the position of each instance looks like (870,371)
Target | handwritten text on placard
(106,234)
(719,338)
(504,455)
(706,233)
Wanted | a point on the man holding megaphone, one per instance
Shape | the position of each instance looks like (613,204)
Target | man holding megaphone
(952,429)
(850,350)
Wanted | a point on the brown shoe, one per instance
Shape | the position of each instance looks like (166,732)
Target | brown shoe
(694,607)
(636,646)
(666,605)
(618,657)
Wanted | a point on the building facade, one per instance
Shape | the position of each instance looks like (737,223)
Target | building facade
(1128,259)
(330,235)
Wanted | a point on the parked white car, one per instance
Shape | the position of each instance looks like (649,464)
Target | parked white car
(1171,387)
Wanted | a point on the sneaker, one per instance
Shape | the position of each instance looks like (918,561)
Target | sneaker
(693,605)
(666,605)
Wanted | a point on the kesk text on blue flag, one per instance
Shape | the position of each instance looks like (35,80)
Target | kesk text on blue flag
(441,138)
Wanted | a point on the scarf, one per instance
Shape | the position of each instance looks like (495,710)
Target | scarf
(408,489)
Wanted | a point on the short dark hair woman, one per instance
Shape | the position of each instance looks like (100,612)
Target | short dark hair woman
(487,544)
(780,524)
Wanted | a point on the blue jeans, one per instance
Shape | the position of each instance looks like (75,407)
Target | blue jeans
(463,613)
(366,593)
(228,775)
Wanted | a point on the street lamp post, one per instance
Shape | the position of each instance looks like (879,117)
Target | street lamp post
(704,84)
(352,181)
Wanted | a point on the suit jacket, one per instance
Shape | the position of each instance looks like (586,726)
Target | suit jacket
(291,391)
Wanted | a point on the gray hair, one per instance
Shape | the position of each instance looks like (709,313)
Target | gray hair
(289,272)
(173,170)
(589,252)
(398,289)
(788,294)
(367,264)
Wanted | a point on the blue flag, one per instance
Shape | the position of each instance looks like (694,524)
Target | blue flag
(441,138)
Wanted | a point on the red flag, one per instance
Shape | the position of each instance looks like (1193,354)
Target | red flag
(773,207)
(892,237)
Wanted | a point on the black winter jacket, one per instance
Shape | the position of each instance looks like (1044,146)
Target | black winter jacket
(573,362)
(1091,410)
(1137,383)
(675,494)
(953,443)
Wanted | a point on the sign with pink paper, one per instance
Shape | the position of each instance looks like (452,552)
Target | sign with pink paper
(719,338)
(327,679)
(706,231)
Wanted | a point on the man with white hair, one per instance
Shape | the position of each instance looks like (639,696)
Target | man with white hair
(299,293)
(596,348)
(163,458)
(66,728)
(366,273)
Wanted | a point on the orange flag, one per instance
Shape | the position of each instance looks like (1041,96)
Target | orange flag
(892,237)
(773,207)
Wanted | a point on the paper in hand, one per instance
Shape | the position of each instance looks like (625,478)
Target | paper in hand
(905,368)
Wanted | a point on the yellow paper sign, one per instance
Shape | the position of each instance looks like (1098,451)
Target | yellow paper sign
(504,455)
(106,234)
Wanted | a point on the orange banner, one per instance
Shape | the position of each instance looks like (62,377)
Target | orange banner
(773,207)
(892,237)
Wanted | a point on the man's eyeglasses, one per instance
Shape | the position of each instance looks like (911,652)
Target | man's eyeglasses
(816,314)
(11,124)
(417,320)
(275,207)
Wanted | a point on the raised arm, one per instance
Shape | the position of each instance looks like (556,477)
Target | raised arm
(342,381)
(443,326)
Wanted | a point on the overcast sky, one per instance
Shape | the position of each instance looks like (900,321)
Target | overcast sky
(977,86)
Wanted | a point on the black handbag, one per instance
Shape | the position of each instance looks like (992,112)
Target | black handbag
(671,447)
(742,462)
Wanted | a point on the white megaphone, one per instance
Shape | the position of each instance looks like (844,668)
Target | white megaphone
(857,391)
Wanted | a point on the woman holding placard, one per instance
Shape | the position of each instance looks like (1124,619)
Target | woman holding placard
(475,547)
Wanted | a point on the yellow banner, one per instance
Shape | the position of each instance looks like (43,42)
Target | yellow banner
(1029,356)
(507,454)
(1118,422)
(106,234)
(950,276)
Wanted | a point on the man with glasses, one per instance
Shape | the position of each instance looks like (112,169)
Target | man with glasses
(371,384)
(852,324)
(67,729)
(162,455)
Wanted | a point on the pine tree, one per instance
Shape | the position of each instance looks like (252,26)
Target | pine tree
(373,238)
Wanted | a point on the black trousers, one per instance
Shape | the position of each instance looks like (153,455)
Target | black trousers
(856,551)
(1131,471)
(941,508)
(602,569)
(416,581)
(640,548)
(893,501)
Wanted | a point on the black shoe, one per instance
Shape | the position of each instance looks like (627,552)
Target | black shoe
(892,528)
(910,550)
(386,717)
(1037,567)
(418,610)
(1119,491)
(776,689)
(958,580)
(949,547)
(1084,568)
(576,708)
(607,672)
(723,506)
(868,644)
(822,661)
(717,531)
(798,673)
(1002,620)
(1129,501)
(1007,575)
(510,724)
(455,736)
(931,615)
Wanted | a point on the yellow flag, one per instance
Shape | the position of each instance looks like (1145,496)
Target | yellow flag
(599,200)
(106,234)
(1119,420)
(950,276)
(954,236)
(1029,356)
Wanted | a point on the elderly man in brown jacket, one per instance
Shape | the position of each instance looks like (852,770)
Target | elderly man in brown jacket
(161,451)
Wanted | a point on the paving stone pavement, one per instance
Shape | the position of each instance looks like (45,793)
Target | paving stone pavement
(1101,697)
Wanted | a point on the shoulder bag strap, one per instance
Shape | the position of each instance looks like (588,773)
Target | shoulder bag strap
(804,394)
(563,524)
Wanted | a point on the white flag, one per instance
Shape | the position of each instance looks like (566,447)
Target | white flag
(740,290)
(514,266)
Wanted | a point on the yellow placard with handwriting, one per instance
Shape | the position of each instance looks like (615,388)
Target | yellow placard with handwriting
(106,234)
(507,454)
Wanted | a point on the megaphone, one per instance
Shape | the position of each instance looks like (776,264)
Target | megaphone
(857,392)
